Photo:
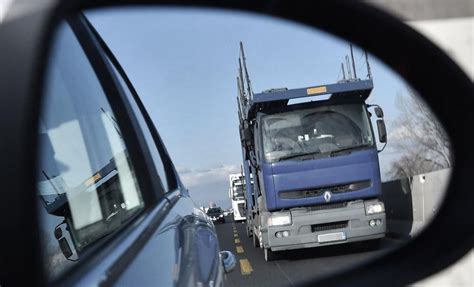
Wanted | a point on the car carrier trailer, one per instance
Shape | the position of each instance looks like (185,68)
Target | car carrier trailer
(314,164)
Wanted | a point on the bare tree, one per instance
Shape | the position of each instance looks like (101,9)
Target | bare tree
(420,138)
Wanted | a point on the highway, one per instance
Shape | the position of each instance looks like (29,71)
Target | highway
(292,267)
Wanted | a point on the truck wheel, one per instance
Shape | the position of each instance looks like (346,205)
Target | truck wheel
(269,254)
(255,241)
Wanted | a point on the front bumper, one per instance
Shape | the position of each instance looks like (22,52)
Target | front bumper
(239,217)
(347,224)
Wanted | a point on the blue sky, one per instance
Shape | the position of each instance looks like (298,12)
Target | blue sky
(183,64)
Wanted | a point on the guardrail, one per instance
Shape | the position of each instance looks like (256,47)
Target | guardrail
(410,203)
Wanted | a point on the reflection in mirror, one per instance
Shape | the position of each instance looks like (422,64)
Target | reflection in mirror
(265,118)
(86,185)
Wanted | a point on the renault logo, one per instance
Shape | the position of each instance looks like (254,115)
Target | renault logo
(327,196)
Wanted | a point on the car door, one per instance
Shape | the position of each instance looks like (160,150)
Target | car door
(111,202)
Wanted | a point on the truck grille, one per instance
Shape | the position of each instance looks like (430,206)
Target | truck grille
(329,226)
(328,206)
(295,194)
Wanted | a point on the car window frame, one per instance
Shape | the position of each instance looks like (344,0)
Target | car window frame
(173,178)
(132,135)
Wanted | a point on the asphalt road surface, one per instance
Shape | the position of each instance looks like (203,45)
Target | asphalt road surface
(292,267)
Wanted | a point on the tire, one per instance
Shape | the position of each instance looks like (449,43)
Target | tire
(255,240)
(223,220)
(269,254)
(249,234)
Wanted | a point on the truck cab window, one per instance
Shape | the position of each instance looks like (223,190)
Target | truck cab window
(86,186)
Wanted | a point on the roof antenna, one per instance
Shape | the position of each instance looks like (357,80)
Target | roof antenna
(353,63)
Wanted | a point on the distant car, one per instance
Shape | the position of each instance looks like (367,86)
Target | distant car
(216,214)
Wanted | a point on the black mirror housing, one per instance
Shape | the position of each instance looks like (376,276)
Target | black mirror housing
(245,134)
(19,117)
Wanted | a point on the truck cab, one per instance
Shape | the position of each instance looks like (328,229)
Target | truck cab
(319,171)
(305,150)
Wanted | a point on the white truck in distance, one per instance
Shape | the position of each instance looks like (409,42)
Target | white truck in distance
(236,195)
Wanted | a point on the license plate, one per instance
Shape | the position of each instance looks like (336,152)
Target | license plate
(330,237)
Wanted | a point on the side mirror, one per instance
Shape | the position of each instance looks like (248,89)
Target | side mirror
(378,112)
(253,158)
(382,131)
(245,134)
(65,248)
(63,243)
(228,261)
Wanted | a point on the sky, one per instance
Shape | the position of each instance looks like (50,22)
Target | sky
(183,64)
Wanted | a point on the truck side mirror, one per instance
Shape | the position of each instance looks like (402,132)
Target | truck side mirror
(247,135)
(378,112)
(382,131)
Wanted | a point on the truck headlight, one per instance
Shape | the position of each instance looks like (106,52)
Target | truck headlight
(279,219)
(374,208)
(221,216)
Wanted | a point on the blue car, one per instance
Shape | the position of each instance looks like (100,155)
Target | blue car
(111,201)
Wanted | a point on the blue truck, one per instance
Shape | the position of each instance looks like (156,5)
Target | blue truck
(314,163)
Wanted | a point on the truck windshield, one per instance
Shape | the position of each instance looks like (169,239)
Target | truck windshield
(320,130)
(214,210)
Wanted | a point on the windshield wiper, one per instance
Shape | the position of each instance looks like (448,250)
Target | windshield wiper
(296,155)
(334,152)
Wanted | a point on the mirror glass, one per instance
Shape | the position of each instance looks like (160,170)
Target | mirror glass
(224,89)
(378,112)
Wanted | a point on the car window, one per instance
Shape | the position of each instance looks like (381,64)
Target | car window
(164,174)
(87,187)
